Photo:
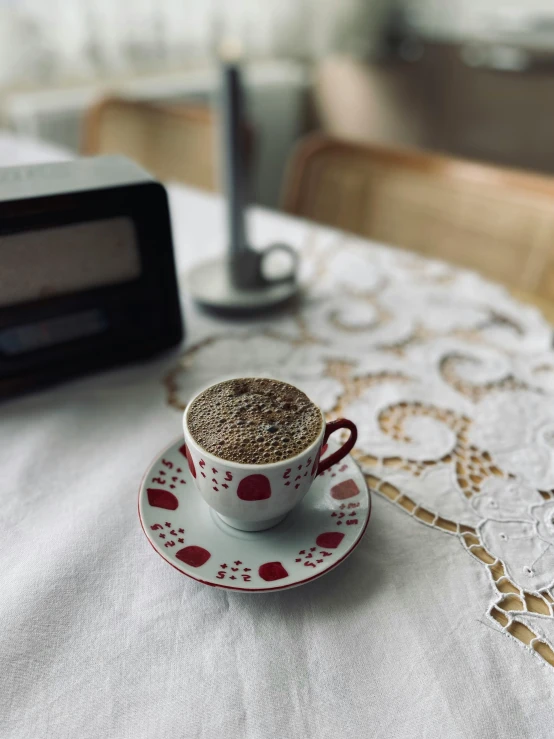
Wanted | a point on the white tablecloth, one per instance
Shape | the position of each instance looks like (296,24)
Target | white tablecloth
(99,637)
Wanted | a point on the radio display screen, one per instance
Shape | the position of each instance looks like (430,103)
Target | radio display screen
(59,260)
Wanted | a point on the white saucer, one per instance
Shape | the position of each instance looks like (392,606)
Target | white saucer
(314,538)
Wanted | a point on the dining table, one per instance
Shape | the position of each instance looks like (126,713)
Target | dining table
(441,622)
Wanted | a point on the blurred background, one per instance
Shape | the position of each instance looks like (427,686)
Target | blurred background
(472,78)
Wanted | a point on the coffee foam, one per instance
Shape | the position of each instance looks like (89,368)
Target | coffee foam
(254,420)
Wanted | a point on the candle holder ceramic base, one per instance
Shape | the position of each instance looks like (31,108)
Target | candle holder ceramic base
(211,286)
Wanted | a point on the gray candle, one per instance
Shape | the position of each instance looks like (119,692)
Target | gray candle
(233,147)
(238,282)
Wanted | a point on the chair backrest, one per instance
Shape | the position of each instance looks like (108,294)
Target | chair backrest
(497,221)
(173,142)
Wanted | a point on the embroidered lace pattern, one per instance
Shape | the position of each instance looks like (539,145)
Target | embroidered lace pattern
(451,384)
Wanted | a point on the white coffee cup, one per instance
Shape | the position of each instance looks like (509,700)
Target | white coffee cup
(253,497)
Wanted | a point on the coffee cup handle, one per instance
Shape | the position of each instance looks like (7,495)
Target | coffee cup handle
(346,448)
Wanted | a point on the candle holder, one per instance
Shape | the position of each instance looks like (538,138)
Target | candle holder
(237,281)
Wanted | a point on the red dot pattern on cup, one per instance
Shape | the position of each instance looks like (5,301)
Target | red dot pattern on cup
(271,571)
(159,498)
(329,539)
(344,490)
(318,457)
(193,556)
(192,468)
(185,452)
(254,487)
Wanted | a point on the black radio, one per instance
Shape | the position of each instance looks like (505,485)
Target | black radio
(87,274)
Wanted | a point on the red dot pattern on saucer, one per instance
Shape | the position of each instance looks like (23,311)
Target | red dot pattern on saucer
(159,498)
(197,549)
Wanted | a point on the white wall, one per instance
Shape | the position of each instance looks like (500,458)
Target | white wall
(53,41)
(58,40)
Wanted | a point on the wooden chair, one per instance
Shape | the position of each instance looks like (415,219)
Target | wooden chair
(497,221)
(173,142)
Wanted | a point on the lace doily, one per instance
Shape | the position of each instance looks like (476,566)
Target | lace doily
(451,384)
